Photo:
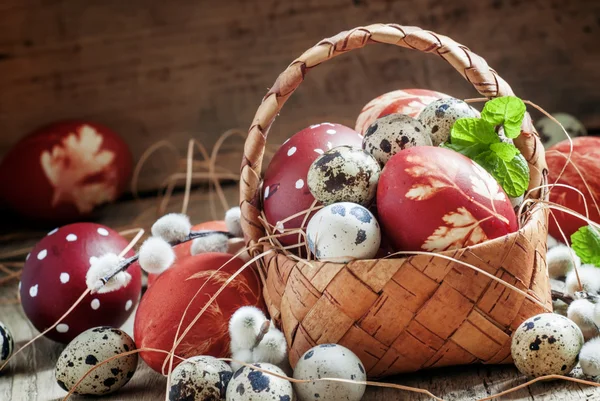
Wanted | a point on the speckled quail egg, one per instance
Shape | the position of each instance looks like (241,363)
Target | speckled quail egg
(344,174)
(546,344)
(7,344)
(343,232)
(332,361)
(91,348)
(440,115)
(249,384)
(200,378)
(391,134)
(551,133)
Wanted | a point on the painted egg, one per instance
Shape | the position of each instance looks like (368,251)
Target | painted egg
(439,117)
(333,361)
(405,101)
(546,344)
(390,134)
(249,384)
(584,168)
(7,343)
(53,279)
(91,348)
(343,232)
(285,191)
(173,290)
(551,133)
(201,378)
(434,199)
(344,174)
(61,172)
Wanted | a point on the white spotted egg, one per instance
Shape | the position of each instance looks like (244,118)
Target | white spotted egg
(7,343)
(546,344)
(343,232)
(389,135)
(440,115)
(329,361)
(89,349)
(344,174)
(249,384)
(200,378)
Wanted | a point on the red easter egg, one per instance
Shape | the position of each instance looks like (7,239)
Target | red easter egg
(183,250)
(61,172)
(405,101)
(285,191)
(434,199)
(164,303)
(585,157)
(53,279)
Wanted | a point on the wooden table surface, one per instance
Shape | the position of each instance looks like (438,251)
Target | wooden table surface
(30,375)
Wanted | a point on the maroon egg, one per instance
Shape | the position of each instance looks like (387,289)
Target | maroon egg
(61,172)
(285,191)
(53,279)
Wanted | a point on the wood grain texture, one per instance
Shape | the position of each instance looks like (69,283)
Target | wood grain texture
(152,69)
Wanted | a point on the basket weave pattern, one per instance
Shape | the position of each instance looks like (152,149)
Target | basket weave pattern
(401,315)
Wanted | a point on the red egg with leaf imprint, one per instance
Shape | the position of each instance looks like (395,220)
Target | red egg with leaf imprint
(405,101)
(435,199)
(62,171)
(53,278)
(285,189)
(585,157)
(163,305)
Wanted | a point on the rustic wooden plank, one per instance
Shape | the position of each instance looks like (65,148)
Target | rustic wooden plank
(154,70)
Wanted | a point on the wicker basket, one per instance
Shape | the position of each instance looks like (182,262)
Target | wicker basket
(402,315)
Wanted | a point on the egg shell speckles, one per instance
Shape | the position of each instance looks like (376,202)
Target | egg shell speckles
(344,174)
(7,343)
(546,344)
(343,232)
(439,117)
(248,384)
(329,360)
(393,133)
(90,348)
(200,378)
(551,133)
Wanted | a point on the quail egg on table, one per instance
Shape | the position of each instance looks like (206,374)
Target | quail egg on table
(344,174)
(440,115)
(546,344)
(343,232)
(389,135)
(329,361)
(7,344)
(200,378)
(91,348)
(551,133)
(249,384)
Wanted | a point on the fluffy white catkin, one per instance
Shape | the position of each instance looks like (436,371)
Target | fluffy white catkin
(589,357)
(244,327)
(172,227)
(242,355)
(102,267)
(551,242)
(590,280)
(581,312)
(156,255)
(272,349)
(210,243)
(233,223)
(561,259)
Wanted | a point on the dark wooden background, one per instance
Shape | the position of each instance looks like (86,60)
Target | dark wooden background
(153,69)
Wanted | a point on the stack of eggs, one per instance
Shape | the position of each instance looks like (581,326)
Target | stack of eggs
(339,185)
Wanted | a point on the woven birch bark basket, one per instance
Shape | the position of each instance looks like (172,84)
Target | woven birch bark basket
(402,314)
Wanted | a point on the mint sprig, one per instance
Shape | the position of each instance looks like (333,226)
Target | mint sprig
(477,139)
(586,244)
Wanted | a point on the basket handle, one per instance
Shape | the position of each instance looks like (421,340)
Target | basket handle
(471,66)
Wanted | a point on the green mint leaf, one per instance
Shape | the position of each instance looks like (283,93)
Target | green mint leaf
(508,111)
(513,176)
(505,151)
(469,149)
(586,244)
(473,130)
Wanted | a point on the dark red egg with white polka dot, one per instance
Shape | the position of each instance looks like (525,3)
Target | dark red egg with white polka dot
(53,279)
(285,191)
